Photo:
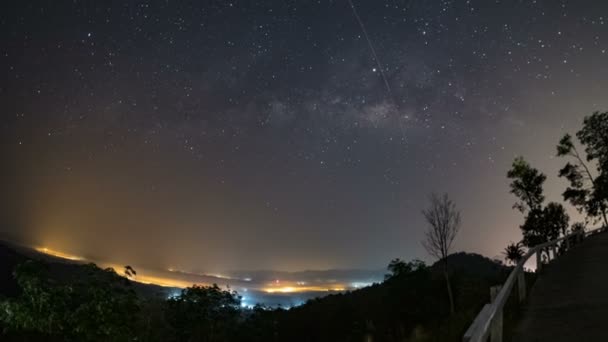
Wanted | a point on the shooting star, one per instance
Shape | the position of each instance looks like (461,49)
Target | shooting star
(371,48)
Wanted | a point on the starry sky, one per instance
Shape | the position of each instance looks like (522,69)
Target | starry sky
(284,134)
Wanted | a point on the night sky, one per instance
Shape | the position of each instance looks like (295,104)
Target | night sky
(286,135)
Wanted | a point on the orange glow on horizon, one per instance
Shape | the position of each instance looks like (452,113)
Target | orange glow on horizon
(156,278)
(57,254)
(140,278)
(153,280)
(273,288)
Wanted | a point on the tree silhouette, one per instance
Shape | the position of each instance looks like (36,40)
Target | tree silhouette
(443,225)
(578,227)
(588,176)
(97,305)
(204,313)
(541,224)
(555,219)
(398,267)
(130,271)
(527,185)
(514,252)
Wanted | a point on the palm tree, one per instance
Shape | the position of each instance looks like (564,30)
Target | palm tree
(514,252)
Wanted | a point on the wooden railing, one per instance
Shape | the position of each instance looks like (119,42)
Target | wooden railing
(488,323)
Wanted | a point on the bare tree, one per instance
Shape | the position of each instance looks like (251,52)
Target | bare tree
(444,223)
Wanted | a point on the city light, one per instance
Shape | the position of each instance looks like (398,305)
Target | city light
(360,284)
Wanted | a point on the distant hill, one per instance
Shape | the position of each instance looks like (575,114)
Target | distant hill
(13,254)
(409,307)
(471,263)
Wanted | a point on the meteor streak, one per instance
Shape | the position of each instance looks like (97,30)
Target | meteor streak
(371,47)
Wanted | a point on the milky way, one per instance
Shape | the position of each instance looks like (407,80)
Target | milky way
(265,134)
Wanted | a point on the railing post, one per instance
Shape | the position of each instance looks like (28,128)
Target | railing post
(539,260)
(567,243)
(521,284)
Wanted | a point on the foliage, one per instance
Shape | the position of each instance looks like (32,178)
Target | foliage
(398,267)
(578,227)
(98,306)
(555,219)
(203,313)
(514,252)
(541,224)
(129,272)
(594,136)
(527,185)
(588,177)
(444,223)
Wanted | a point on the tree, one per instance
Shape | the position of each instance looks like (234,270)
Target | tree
(204,313)
(578,227)
(443,225)
(555,220)
(541,224)
(130,272)
(527,185)
(399,267)
(514,252)
(588,177)
(98,305)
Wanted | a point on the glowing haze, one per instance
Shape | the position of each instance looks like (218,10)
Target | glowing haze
(215,136)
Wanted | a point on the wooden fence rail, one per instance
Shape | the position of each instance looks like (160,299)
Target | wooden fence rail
(488,323)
